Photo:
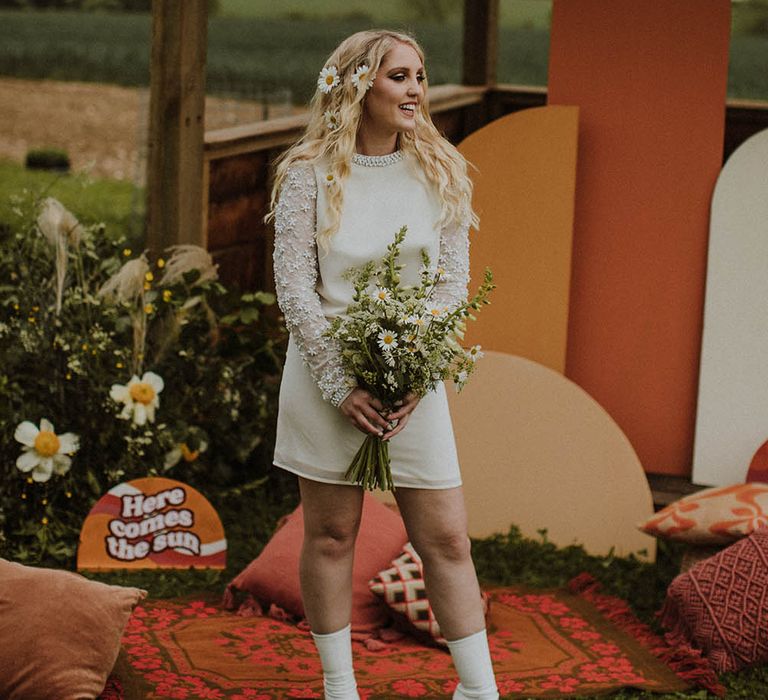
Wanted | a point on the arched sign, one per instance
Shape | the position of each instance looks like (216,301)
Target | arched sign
(152,523)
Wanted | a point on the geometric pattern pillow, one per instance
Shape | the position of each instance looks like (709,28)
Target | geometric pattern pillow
(718,515)
(402,589)
(720,606)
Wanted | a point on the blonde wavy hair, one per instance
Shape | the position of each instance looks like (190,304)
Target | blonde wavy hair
(441,162)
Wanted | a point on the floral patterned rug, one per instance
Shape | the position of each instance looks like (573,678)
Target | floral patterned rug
(544,644)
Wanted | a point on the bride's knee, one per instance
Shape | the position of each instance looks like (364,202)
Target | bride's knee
(453,546)
(332,540)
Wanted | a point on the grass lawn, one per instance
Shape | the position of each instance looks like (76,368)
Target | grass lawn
(116,203)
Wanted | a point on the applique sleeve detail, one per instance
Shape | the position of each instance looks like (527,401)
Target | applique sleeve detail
(451,290)
(296,273)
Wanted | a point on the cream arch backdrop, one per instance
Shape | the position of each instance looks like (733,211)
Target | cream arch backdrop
(538,452)
(732,416)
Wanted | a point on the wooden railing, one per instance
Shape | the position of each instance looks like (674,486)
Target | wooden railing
(236,171)
(237,167)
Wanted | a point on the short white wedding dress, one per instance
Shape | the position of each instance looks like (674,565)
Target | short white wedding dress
(381,194)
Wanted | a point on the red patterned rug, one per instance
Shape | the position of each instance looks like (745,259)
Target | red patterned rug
(544,644)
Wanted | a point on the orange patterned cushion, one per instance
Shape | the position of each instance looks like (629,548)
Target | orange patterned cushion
(402,589)
(718,515)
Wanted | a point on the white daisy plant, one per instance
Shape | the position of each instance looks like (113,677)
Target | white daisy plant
(331,120)
(44,452)
(381,295)
(328,79)
(475,353)
(140,397)
(362,78)
(387,340)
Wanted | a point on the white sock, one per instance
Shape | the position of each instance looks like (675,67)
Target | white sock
(472,660)
(335,649)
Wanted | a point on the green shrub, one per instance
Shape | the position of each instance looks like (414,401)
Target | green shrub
(47,159)
(66,347)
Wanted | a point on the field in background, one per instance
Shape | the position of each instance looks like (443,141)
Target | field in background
(526,14)
(275,60)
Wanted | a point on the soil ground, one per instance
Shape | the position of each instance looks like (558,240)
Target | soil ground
(101,127)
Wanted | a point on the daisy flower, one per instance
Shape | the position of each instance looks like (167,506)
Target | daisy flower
(387,340)
(331,122)
(474,353)
(461,377)
(44,451)
(328,79)
(140,397)
(361,77)
(435,312)
(381,294)
(330,180)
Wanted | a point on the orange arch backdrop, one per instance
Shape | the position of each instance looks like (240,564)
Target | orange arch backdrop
(649,79)
(524,177)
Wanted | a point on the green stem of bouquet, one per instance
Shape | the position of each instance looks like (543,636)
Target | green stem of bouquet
(370,467)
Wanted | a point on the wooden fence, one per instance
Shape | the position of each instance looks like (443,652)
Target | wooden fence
(237,172)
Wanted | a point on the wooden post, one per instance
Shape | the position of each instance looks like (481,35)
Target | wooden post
(176,123)
(481,31)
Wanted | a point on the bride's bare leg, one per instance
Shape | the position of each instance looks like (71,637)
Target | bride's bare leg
(437,526)
(436,521)
(331,520)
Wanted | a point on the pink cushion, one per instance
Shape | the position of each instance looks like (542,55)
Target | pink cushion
(719,605)
(59,632)
(273,577)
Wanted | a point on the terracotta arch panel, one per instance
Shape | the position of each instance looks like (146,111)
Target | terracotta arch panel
(650,82)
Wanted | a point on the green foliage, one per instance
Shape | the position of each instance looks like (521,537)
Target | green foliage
(90,5)
(218,354)
(750,17)
(47,159)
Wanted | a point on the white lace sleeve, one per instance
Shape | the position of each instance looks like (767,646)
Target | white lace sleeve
(296,271)
(451,290)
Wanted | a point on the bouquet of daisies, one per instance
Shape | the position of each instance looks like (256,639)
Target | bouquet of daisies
(395,340)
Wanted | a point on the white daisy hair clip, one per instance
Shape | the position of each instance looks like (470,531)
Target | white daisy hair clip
(328,79)
(331,121)
(361,77)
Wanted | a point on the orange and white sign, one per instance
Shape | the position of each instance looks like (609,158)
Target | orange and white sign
(152,523)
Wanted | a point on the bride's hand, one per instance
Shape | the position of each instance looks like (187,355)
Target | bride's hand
(402,415)
(364,412)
